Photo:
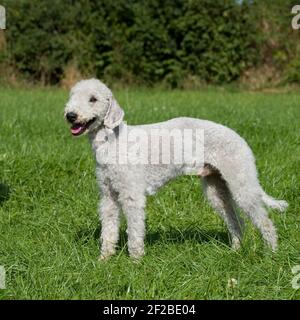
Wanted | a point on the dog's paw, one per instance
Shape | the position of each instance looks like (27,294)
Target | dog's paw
(136,254)
(235,243)
(105,256)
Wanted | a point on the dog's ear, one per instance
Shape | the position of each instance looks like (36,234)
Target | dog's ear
(114,115)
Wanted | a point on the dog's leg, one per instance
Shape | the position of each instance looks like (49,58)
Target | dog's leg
(247,196)
(220,198)
(259,216)
(110,221)
(241,179)
(133,207)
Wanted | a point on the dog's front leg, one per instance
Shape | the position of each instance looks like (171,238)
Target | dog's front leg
(110,222)
(135,215)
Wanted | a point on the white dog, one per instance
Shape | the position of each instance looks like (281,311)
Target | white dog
(227,169)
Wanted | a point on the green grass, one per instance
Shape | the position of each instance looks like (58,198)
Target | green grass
(49,226)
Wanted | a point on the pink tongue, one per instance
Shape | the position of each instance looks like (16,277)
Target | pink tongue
(76,129)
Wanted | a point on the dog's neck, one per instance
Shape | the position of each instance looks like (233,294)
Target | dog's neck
(104,135)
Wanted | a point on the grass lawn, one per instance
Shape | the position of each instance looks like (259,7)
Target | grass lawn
(49,226)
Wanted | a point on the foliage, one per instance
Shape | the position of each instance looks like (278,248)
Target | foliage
(138,41)
(147,42)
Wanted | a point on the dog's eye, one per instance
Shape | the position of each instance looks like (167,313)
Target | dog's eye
(93,99)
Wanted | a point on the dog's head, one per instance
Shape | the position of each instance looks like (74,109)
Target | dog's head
(91,106)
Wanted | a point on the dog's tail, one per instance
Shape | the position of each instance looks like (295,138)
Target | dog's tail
(272,203)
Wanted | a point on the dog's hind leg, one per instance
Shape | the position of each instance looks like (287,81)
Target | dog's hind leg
(241,178)
(255,210)
(219,196)
(246,193)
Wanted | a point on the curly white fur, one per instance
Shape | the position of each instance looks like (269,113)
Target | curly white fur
(228,172)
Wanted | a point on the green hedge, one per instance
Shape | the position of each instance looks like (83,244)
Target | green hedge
(130,40)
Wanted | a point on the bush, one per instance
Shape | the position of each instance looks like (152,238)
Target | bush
(138,41)
(292,72)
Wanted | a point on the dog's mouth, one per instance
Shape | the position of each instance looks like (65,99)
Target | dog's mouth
(79,128)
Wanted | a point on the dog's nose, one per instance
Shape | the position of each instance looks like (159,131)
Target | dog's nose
(71,116)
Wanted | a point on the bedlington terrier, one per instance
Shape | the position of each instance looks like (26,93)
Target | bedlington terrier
(226,168)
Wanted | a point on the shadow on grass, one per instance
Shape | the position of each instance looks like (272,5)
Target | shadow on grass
(4,192)
(190,234)
(169,236)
